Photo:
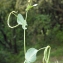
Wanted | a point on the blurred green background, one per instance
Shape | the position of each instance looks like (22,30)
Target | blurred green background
(45,27)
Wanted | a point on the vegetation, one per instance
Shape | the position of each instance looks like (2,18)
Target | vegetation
(45,27)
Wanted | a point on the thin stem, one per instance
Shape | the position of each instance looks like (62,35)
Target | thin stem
(24,43)
(14,14)
(24,37)
(26,15)
(41,48)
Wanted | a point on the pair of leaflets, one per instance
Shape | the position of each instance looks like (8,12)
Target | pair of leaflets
(21,21)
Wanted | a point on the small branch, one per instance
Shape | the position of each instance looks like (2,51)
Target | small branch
(57,8)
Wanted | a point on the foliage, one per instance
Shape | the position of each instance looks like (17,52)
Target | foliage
(29,56)
(45,25)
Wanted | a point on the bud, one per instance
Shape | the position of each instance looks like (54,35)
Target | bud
(35,4)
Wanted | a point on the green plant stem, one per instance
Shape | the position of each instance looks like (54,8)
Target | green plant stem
(26,15)
(41,48)
(24,37)
(14,14)
(24,43)
(9,19)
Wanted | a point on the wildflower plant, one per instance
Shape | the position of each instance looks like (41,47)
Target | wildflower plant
(30,54)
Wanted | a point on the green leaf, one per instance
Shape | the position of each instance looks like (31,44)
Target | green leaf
(21,21)
(30,55)
(24,24)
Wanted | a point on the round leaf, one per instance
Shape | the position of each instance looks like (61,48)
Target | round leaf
(30,55)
